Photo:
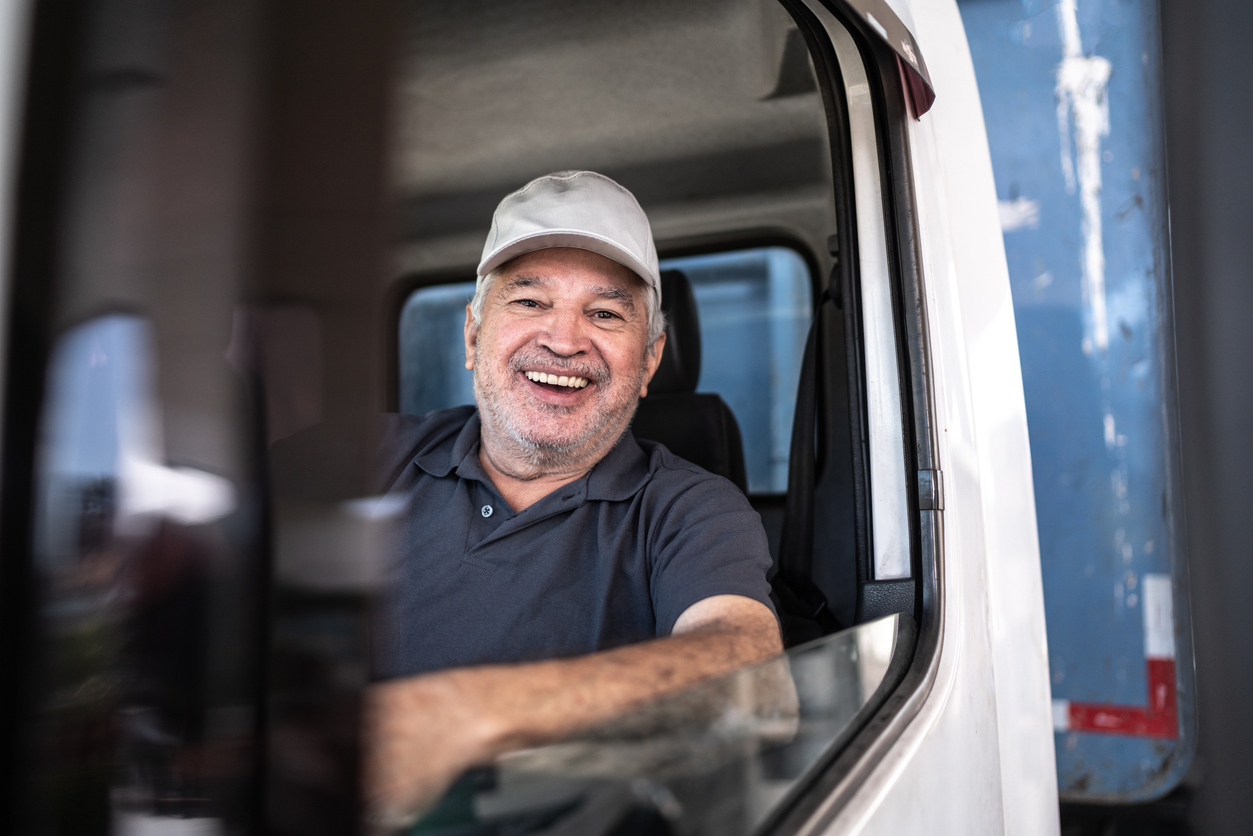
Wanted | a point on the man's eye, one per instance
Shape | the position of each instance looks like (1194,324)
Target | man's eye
(606,315)
(530,303)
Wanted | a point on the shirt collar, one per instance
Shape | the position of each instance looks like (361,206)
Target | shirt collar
(447,456)
(618,476)
(621,473)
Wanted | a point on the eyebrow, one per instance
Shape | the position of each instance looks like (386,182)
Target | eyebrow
(616,294)
(525,281)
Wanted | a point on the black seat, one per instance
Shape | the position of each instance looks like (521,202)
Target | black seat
(699,427)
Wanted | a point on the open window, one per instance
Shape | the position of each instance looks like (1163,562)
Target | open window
(794,223)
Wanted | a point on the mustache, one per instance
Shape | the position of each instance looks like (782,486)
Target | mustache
(594,370)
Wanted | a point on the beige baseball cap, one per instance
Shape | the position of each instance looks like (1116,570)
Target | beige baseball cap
(580,209)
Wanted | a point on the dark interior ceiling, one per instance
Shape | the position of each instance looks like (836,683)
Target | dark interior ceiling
(685,103)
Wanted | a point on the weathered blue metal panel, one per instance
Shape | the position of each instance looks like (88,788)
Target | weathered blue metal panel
(1071,98)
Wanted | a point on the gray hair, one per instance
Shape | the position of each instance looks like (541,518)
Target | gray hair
(656,319)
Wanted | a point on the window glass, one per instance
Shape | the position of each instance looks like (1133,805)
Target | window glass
(433,372)
(129,555)
(754,316)
(721,757)
(754,310)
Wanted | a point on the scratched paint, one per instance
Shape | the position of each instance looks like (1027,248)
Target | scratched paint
(1070,96)
(1081,92)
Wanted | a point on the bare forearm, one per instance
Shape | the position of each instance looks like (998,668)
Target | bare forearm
(422,731)
(525,705)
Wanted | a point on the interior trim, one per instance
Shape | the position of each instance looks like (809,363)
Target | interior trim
(889,488)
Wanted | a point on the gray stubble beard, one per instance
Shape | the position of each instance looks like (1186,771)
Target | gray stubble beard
(541,457)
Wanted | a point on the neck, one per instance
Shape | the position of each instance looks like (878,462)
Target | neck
(522,490)
(523,478)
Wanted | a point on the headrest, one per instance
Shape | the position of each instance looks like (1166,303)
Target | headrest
(679,371)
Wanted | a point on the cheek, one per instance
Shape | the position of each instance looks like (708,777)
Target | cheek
(499,355)
(496,344)
(625,361)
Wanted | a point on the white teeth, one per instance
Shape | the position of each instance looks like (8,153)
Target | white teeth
(557,380)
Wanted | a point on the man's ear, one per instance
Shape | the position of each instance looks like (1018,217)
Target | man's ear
(652,360)
(471,337)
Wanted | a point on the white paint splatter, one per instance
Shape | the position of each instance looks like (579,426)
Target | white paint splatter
(1118,483)
(1159,617)
(1061,715)
(1018,213)
(1082,83)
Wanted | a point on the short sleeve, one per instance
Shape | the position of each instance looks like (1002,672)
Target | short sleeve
(708,541)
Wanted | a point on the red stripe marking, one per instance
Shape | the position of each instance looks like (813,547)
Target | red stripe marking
(1158,719)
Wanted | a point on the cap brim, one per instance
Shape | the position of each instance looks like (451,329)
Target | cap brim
(574,238)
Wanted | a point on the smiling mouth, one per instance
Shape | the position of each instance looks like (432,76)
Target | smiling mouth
(566,383)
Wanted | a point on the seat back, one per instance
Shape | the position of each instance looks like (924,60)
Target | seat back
(699,427)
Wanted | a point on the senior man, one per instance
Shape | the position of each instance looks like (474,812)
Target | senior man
(554,570)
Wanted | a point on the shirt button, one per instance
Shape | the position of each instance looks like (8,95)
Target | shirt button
(486,511)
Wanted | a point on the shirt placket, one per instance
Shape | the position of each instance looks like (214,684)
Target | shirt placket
(559,502)
(488,512)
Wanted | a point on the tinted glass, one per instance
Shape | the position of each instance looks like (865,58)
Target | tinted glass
(754,314)
(433,372)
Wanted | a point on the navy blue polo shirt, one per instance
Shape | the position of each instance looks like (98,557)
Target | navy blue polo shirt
(612,558)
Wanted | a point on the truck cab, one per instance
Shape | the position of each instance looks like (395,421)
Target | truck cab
(227,222)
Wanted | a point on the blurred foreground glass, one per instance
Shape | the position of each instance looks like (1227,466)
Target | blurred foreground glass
(720,758)
(144,719)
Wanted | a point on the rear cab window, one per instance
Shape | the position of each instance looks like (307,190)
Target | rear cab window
(754,307)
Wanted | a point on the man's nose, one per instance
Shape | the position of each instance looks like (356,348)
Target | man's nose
(565,331)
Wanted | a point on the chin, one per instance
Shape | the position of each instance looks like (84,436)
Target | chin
(553,441)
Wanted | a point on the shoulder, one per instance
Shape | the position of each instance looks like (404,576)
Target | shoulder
(403,438)
(409,436)
(327,454)
(674,479)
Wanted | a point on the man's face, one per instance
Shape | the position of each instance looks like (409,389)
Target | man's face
(560,357)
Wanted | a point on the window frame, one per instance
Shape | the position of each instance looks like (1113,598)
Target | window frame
(847,768)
